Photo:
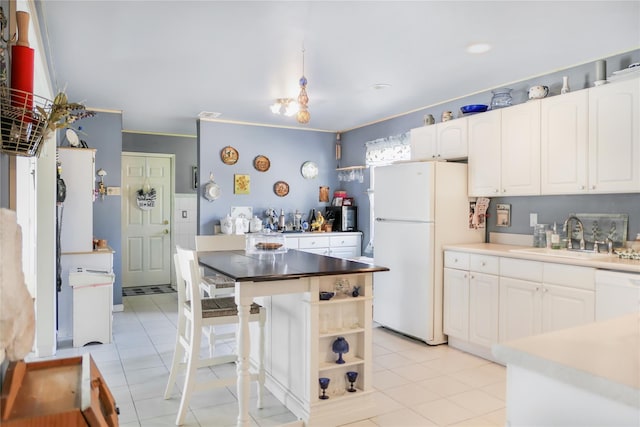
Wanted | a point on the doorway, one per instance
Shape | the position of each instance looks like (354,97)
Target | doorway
(147,193)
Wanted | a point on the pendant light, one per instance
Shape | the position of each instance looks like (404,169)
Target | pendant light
(303,115)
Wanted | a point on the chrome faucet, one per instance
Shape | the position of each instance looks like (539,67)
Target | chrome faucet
(569,231)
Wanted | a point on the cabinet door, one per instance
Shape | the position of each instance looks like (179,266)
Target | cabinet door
(483,309)
(484,153)
(452,139)
(614,137)
(456,303)
(564,307)
(520,309)
(423,143)
(564,142)
(520,149)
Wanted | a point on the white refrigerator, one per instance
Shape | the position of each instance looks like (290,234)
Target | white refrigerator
(419,207)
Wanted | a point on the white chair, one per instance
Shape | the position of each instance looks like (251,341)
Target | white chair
(194,313)
(217,284)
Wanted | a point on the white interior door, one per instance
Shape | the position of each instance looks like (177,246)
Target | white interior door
(146,233)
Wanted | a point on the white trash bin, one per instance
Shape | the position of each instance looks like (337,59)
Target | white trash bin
(92,305)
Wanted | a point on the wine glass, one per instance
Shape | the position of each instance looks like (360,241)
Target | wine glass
(352,376)
(324,384)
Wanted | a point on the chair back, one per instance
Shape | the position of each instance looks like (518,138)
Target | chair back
(220,242)
(188,275)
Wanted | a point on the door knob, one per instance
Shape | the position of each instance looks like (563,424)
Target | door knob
(166,231)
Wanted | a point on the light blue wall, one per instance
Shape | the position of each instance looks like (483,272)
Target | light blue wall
(287,149)
(104,133)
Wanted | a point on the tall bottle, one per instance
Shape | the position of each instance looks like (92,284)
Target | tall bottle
(281,221)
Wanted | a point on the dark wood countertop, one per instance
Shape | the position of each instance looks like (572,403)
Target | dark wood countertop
(293,264)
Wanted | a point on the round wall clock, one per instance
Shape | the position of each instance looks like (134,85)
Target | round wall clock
(281,188)
(309,170)
(261,163)
(229,155)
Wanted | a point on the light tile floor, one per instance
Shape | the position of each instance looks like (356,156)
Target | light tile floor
(418,385)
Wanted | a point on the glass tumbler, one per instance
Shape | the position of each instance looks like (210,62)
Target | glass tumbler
(501,98)
(540,236)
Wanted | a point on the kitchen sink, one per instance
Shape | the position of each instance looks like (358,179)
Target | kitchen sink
(563,253)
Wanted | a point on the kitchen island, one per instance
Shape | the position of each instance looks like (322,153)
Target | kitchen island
(301,329)
(587,375)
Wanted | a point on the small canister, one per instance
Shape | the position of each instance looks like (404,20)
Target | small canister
(446,116)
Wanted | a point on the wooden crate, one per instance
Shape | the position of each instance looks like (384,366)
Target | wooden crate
(56,393)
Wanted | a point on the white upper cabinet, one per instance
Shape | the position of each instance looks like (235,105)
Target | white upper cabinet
(520,150)
(443,141)
(564,143)
(504,151)
(614,137)
(484,154)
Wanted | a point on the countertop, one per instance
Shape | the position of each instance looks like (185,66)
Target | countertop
(602,357)
(609,262)
(293,264)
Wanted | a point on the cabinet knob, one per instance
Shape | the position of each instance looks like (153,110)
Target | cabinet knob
(496,191)
(483,263)
(545,290)
(582,187)
(473,277)
(504,190)
(593,187)
(537,288)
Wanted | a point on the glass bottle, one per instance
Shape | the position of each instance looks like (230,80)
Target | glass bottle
(501,98)
(565,85)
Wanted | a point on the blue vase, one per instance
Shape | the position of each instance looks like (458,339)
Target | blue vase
(340,346)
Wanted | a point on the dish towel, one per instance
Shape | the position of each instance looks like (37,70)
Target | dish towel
(17,314)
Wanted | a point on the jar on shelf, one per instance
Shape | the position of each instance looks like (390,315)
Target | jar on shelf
(501,98)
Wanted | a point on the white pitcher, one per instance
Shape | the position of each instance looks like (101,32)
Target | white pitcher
(226,225)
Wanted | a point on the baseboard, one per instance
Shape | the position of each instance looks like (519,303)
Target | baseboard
(117,308)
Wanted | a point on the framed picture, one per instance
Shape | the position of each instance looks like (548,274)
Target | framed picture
(323,194)
(347,201)
(241,184)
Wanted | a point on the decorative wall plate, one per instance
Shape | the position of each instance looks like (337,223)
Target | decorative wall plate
(229,155)
(281,188)
(261,163)
(309,170)
(72,137)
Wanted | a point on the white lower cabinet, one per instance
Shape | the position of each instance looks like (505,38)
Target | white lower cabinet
(490,299)
(471,298)
(563,297)
(483,309)
(456,303)
(337,244)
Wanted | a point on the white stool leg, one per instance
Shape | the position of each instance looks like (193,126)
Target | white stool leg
(261,324)
(192,369)
(178,355)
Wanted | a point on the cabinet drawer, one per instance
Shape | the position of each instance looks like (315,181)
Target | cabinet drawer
(344,241)
(291,242)
(521,269)
(570,275)
(313,242)
(459,260)
(485,264)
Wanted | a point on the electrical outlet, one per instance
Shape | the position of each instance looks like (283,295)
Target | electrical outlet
(184,214)
(533,219)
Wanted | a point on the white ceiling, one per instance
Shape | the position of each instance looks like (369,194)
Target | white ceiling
(163,62)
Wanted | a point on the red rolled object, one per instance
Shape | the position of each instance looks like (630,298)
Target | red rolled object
(22,77)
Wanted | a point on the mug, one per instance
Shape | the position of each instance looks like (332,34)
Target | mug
(538,92)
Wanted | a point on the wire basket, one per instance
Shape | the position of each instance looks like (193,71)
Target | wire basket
(23,121)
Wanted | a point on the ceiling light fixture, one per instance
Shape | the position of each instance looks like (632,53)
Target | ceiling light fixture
(478,48)
(284,106)
(303,115)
